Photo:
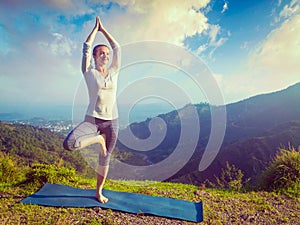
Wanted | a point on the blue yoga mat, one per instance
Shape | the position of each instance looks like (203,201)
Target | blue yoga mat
(65,196)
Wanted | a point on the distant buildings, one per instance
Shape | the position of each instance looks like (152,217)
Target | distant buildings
(60,126)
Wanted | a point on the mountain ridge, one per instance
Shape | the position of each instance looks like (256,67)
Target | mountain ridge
(263,123)
(256,117)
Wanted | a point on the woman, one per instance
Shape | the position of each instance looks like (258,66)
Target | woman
(101,123)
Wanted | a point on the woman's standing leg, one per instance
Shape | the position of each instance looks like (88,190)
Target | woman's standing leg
(110,133)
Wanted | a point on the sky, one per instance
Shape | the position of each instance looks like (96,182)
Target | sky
(249,47)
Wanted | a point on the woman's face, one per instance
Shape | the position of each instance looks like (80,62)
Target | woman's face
(101,56)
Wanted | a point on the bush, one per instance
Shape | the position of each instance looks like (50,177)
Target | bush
(231,178)
(284,171)
(9,172)
(43,173)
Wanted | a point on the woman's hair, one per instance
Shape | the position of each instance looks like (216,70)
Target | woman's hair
(97,46)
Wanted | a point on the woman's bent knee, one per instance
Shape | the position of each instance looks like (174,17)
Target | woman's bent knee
(70,144)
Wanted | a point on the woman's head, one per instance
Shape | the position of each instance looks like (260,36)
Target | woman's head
(101,54)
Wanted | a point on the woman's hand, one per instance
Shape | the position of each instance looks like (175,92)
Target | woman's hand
(100,26)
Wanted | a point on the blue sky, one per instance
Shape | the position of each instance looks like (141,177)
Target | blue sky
(250,47)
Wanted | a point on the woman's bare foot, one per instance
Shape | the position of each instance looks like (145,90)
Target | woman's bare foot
(101,198)
(103,150)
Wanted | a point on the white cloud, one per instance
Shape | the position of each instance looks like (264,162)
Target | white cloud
(42,59)
(60,4)
(225,7)
(245,45)
(201,49)
(170,21)
(40,67)
(45,53)
(280,53)
(289,10)
(60,45)
(215,41)
(213,32)
(273,65)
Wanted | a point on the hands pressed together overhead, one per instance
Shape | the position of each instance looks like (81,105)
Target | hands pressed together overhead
(98,24)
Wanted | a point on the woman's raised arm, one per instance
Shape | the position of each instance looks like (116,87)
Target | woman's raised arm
(114,45)
(86,57)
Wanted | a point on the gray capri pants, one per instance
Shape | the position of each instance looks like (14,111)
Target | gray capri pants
(92,126)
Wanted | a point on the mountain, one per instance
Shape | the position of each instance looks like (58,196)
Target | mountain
(255,128)
(31,144)
(251,155)
(262,112)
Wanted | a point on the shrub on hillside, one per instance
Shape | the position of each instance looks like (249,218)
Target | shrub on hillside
(43,173)
(9,172)
(231,178)
(283,172)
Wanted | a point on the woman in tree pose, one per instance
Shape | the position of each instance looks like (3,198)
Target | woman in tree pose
(101,121)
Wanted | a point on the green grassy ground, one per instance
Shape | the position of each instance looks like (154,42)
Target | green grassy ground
(220,206)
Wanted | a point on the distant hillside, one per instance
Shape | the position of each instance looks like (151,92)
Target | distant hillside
(37,145)
(251,155)
(256,128)
(257,114)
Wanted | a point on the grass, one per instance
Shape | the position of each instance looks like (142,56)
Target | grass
(220,206)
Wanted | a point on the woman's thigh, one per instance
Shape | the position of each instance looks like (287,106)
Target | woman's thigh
(83,130)
(109,129)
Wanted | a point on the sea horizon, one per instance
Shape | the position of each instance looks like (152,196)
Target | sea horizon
(137,113)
